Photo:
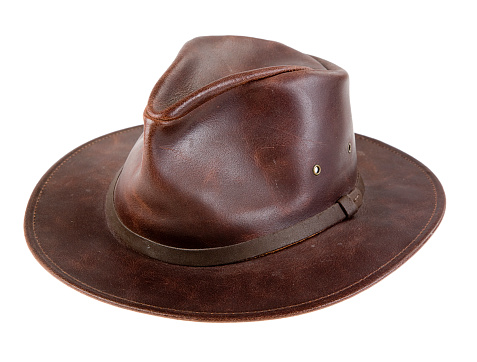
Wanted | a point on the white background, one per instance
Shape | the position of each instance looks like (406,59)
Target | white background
(70,72)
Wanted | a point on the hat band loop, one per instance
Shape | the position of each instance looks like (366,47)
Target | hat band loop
(344,208)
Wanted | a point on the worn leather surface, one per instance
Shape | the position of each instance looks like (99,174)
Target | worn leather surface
(232,132)
(66,230)
(231,135)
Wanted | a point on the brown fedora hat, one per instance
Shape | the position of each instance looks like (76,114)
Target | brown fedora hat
(246,195)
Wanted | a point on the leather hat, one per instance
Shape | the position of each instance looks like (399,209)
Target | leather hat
(246,195)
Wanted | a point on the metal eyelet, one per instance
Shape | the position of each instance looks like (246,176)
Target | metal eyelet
(317,169)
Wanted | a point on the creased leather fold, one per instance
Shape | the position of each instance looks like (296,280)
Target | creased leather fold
(204,94)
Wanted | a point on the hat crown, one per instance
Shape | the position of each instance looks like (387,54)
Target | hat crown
(242,137)
(208,66)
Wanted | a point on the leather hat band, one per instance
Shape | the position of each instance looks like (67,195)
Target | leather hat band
(344,208)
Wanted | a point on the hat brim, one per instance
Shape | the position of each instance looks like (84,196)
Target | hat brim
(66,229)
